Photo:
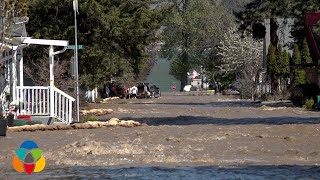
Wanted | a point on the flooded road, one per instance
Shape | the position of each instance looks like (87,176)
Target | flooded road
(184,137)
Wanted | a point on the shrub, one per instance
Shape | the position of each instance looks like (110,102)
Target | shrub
(309,104)
(98,100)
(88,118)
(300,93)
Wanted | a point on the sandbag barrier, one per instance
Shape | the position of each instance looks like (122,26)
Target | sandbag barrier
(96,112)
(88,125)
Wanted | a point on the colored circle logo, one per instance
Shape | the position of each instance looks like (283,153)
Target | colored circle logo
(28,158)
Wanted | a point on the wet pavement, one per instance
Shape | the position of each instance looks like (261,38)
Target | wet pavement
(185,137)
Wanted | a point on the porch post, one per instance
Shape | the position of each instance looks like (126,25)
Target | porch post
(21,69)
(14,74)
(51,61)
(21,74)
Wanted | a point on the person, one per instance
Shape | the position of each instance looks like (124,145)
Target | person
(88,95)
(123,91)
(107,90)
(145,90)
(134,91)
(219,86)
(173,87)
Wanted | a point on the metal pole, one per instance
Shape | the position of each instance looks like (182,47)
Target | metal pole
(76,64)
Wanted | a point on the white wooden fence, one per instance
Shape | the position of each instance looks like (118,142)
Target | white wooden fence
(36,102)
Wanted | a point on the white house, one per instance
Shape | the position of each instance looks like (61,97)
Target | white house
(32,100)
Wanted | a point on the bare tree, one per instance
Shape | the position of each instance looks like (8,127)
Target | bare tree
(243,55)
(39,73)
(9,10)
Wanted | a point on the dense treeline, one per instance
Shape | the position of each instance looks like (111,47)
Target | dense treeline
(119,36)
(116,36)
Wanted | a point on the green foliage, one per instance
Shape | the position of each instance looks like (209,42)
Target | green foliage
(300,77)
(299,73)
(192,28)
(284,64)
(309,104)
(296,55)
(279,60)
(115,35)
(306,59)
(88,118)
(98,100)
(272,66)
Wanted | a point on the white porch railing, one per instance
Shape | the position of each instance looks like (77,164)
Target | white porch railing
(63,106)
(36,102)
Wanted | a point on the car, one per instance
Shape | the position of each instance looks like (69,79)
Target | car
(141,93)
(155,91)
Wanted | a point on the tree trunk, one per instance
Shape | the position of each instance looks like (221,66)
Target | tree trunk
(274,85)
(274,41)
(185,56)
(273,32)
(184,81)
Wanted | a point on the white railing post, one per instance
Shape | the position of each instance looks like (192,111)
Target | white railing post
(51,61)
(70,111)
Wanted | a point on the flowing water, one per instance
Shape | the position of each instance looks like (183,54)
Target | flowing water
(164,173)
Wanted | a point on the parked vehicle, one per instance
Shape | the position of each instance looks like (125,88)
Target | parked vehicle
(155,91)
(152,91)
(141,92)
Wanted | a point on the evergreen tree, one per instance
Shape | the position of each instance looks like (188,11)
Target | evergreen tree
(115,34)
(300,77)
(279,60)
(306,59)
(272,60)
(284,64)
(272,68)
(299,73)
(296,58)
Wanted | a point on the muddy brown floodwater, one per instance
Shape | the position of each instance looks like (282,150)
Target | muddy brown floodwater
(183,130)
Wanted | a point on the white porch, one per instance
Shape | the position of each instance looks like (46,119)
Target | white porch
(46,101)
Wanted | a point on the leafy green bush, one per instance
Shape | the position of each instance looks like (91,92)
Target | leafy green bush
(309,104)
(98,100)
(88,118)
(300,93)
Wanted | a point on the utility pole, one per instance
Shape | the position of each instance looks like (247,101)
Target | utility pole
(75,8)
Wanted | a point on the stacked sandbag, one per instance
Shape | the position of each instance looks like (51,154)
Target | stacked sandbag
(96,112)
(88,125)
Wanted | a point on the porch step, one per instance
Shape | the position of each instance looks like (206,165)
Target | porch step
(43,119)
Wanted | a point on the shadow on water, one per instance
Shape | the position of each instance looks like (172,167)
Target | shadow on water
(202,120)
(196,173)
